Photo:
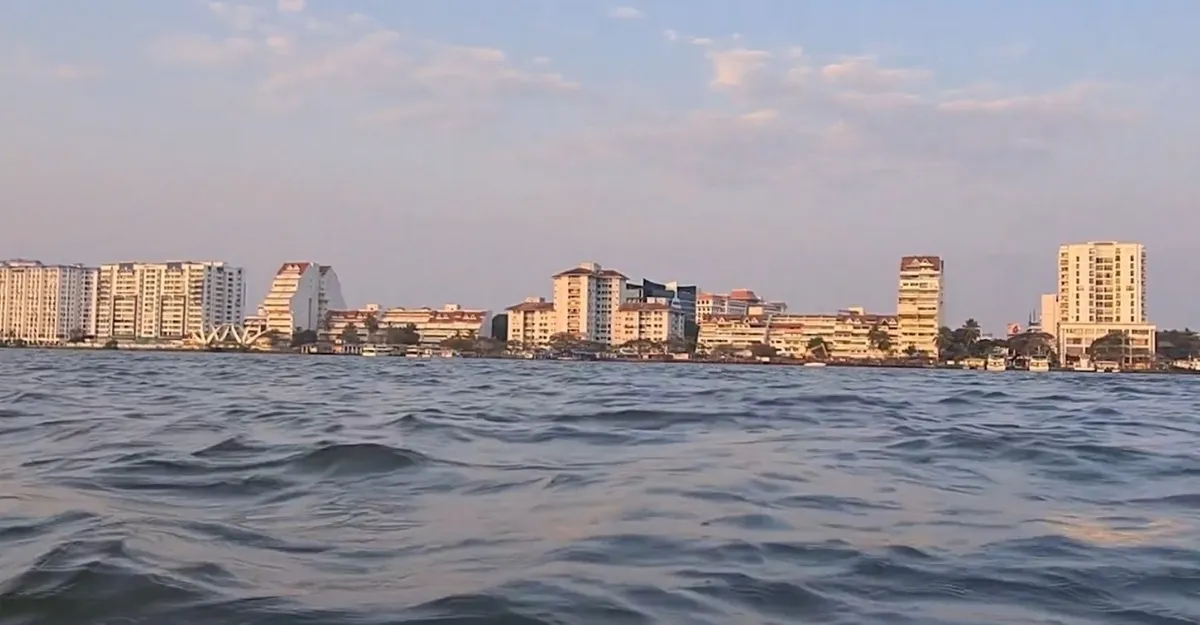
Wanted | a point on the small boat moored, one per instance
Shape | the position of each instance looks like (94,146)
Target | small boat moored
(1039,364)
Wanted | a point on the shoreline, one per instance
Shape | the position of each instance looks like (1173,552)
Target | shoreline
(691,361)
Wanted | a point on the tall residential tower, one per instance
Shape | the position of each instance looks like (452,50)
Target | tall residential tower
(167,301)
(920,302)
(45,303)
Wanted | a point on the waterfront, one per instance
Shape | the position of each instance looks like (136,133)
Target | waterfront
(219,488)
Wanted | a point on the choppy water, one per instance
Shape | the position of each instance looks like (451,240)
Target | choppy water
(223,489)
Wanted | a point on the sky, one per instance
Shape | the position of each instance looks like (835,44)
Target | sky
(463,151)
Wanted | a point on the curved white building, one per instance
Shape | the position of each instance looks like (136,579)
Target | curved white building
(300,296)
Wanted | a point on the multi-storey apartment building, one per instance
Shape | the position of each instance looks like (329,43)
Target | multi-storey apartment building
(586,299)
(1101,289)
(300,297)
(736,302)
(531,323)
(167,301)
(42,303)
(920,302)
(659,320)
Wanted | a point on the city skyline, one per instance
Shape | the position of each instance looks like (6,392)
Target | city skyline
(452,152)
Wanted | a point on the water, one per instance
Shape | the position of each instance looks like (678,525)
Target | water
(225,489)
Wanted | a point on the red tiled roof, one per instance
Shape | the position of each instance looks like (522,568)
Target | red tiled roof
(907,262)
(300,267)
(613,273)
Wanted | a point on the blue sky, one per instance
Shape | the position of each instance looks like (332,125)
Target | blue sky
(465,150)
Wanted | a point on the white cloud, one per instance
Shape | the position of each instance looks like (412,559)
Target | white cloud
(626,13)
(242,17)
(737,67)
(291,6)
(671,35)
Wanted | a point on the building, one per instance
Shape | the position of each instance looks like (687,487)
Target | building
(586,299)
(920,302)
(848,334)
(531,323)
(1101,290)
(649,290)
(1048,314)
(364,321)
(436,325)
(736,302)
(167,301)
(45,303)
(660,320)
(300,297)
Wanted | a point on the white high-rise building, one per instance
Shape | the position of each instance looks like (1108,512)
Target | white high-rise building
(167,301)
(586,299)
(1101,290)
(45,303)
(1102,282)
(300,297)
(919,303)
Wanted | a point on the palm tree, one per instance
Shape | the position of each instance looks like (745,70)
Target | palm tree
(350,334)
(971,331)
(878,339)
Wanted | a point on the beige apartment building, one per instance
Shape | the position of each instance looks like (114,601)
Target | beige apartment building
(167,301)
(660,321)
(42,303)
(920,303)
(531,323)
(845,333)
(1101,289)
(586,299)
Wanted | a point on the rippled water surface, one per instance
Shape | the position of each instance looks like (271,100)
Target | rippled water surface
(203,488)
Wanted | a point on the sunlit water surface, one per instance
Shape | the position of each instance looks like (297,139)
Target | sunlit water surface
(220,489)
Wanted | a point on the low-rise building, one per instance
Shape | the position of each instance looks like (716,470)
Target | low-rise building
(436,325)
(846,335)
(531,323)
(1075,339)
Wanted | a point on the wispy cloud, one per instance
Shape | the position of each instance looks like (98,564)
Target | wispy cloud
(361,63)
(26,65)
(626,13)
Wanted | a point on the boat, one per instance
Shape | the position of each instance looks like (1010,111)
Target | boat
(814,364)
(1084,364)
(1039,364)
(996,363)
(372,351)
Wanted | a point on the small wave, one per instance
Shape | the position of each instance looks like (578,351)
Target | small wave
(348,459)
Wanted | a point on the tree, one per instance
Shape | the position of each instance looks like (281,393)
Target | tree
(879,339)
(564,342)
(490,346)
(971,331)
(818,347)
(350,334)
(724,351)
(303,337)
(77,335)
(911,351)
(402,335)
(1177,344)
(1032,344)
(1111,346)
(762,350)
(459,344)
(371,323)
